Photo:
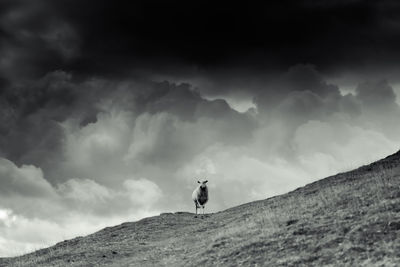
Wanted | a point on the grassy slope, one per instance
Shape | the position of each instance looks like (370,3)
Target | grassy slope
(348,219)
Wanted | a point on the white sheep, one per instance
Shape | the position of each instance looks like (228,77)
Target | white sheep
(200,195)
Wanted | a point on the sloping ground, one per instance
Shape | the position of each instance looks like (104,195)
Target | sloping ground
(348,219)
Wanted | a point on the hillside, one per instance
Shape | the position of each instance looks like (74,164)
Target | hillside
(349,219)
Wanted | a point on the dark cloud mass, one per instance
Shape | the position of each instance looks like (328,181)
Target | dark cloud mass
(124,37)
(111,110)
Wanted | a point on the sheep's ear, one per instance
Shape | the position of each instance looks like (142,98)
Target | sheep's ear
(205,181)
(198,182)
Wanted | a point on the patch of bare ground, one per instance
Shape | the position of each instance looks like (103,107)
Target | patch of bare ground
(349,219)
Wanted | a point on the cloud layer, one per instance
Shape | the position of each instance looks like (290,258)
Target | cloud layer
(147,38)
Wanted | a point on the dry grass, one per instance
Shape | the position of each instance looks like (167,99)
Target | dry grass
(345,220)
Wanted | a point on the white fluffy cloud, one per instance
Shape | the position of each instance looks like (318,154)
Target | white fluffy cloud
(328,147)
(26,181)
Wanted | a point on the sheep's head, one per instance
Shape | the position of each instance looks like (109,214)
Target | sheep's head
(202,184)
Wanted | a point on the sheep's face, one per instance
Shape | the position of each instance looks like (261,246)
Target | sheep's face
(203,184)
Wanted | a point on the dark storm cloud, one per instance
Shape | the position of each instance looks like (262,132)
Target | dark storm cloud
(31,112)
(299,78)
(212,34)
(33,115)
(377,95)
(149,37)
(34,40)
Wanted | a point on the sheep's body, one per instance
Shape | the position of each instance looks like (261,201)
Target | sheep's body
(200,196)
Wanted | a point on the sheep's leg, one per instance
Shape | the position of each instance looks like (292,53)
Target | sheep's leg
(196,203)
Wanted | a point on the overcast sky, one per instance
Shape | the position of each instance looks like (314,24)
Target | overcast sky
(110,111)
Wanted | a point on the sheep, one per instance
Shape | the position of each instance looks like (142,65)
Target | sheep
(200,195)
